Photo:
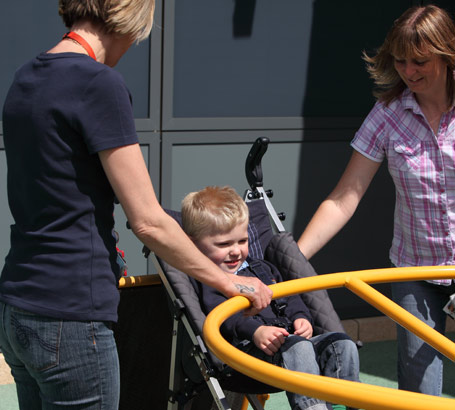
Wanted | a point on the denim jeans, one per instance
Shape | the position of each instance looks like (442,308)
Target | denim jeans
(419,365)
(329,354)
(59,364)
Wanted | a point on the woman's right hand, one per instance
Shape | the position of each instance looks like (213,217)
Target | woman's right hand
(256,291)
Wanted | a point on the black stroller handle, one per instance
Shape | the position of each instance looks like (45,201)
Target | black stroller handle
(253,169)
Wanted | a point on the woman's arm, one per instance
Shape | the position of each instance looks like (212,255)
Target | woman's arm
(129,178)
(335,211)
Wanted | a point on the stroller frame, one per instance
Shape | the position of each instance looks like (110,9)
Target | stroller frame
(181,389)
(188,322)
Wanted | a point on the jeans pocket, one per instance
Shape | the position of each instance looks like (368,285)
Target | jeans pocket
(35,339)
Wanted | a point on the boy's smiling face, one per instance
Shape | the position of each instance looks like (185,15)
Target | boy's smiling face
(228,250)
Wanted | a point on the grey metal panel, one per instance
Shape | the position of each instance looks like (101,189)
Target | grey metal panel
(135,69)
(23,41)
(182,173)
(265,123)
(32,27)
(155,67)
(192,160)
(201,122)
(153,141)
(150,95)
(301,60)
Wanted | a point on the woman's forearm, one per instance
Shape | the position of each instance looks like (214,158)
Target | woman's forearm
(328,220)
(127,173)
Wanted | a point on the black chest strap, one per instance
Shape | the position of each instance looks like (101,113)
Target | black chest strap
(265,276)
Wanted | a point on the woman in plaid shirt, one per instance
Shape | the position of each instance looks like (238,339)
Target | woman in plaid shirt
(412,125)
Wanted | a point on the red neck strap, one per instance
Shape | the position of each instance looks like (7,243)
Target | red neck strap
(78,39)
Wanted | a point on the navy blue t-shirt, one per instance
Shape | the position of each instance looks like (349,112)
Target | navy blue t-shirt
(61,110)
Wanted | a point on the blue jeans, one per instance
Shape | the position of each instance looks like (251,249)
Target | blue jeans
(58,364)
(329,354)
(419,365)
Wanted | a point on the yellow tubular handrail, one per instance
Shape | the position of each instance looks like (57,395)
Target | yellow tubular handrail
(138,281)
(353,394)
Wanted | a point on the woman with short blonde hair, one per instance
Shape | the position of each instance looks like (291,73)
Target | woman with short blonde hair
(72,147)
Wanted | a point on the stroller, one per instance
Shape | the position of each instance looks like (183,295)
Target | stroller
(198,379)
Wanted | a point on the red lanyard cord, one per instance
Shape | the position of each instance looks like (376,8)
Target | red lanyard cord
(78,39)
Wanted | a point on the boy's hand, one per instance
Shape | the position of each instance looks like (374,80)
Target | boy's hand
(303,328)
(269,338)
(256,291)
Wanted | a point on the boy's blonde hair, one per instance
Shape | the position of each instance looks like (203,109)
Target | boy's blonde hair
(419,30)
(133,18)
(213,210)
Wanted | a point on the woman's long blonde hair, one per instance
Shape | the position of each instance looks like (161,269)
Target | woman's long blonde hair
(417,32)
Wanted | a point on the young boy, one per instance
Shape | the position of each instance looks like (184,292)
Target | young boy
(217,221)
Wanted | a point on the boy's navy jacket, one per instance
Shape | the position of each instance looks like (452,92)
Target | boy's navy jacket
(281,313)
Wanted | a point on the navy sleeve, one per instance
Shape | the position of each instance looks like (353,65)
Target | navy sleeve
(106,116)
(237,327)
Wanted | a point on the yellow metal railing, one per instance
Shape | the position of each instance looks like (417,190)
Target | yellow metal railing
(138,281)
(353,394)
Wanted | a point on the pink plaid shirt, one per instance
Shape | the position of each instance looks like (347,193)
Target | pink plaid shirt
(422,166)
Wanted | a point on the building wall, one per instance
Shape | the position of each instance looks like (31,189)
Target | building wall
(212,78)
